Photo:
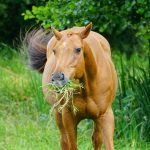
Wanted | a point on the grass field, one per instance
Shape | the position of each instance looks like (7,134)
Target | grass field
(24,115)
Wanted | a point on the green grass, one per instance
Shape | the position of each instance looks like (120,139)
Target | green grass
(25,115)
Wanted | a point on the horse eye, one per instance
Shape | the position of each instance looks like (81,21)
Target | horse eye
(54,51)
(77,50)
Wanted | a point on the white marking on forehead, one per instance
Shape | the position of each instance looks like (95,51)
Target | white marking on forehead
(64,44)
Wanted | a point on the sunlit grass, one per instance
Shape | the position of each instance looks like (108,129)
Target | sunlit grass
(25,115)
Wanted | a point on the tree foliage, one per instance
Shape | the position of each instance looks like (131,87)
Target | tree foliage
(11,19)
(124,22)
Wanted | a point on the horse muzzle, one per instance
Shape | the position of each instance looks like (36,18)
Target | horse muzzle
(59,79)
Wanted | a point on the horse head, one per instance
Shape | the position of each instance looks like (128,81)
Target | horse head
(65,55)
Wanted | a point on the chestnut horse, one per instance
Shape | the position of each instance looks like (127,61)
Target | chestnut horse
(81,54)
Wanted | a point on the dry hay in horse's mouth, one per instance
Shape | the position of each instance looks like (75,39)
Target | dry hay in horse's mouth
(66,94)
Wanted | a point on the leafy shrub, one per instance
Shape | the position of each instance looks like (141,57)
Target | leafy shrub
(125,23)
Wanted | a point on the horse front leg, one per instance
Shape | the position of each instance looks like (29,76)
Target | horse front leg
(70,126)
(63,136)
(97,135)
(103,131)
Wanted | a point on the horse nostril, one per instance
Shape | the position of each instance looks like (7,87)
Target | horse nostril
(62,76)
(52,77)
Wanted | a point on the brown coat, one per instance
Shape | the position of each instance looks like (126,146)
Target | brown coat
(93,67)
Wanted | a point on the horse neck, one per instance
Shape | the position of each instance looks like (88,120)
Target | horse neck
(90,73)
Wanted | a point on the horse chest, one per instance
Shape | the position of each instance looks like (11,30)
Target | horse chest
(86,108)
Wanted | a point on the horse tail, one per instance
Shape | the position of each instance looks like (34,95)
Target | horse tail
(36,42)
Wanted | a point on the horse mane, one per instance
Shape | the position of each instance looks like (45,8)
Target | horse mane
(36,42)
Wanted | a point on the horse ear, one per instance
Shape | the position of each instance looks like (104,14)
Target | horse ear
(57,34)
(85,32)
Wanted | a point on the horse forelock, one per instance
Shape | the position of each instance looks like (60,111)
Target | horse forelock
(72,31)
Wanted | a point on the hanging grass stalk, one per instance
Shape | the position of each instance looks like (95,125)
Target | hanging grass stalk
(66,95)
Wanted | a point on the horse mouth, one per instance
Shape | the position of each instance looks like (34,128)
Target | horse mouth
(60,84)
(70,86)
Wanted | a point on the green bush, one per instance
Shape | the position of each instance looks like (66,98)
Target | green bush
(125,22)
